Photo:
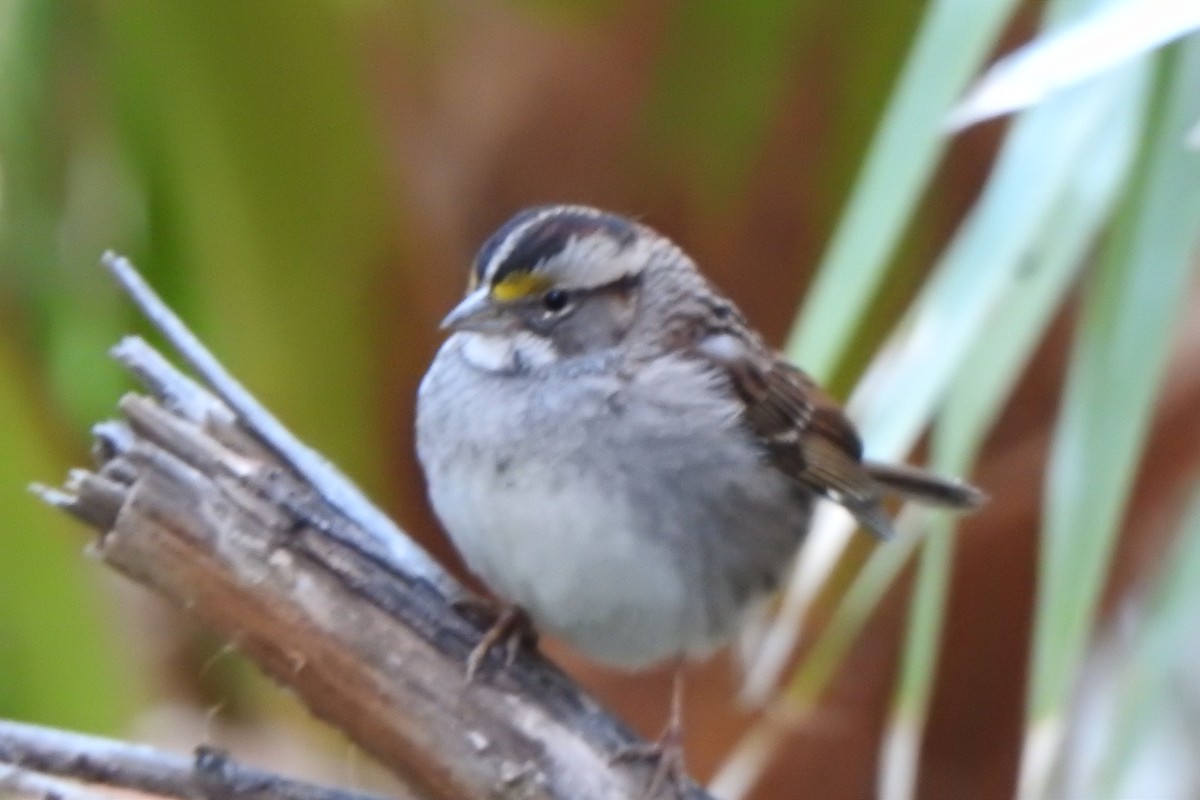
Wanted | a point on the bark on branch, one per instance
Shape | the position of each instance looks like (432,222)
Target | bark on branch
(42,757)
(206,499)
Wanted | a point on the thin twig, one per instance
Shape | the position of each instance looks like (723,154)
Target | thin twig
(36,750)
(21,784)
(335,487)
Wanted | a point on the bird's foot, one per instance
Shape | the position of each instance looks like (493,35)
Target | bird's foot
(508,626)
(669,777)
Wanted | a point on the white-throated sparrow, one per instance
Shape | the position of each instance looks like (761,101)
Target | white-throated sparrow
(613,449)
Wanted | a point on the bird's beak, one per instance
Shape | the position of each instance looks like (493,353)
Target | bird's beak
(477,312)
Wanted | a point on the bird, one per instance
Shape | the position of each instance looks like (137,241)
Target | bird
(619,456)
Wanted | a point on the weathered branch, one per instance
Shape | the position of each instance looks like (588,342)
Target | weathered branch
(42,757)
(22,784)
(210,502)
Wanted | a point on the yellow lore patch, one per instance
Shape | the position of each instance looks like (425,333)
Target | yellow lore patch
(519,285)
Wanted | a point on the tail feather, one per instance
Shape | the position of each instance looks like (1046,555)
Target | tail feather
(912,483)
(872,516)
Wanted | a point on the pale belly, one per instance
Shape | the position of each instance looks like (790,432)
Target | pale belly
(633,537)
(572,561)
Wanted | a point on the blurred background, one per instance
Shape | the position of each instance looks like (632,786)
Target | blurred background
(306,183)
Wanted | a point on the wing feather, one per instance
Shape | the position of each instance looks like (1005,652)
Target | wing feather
(802,431)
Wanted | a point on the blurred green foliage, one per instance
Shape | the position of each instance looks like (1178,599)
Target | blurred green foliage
(229,149)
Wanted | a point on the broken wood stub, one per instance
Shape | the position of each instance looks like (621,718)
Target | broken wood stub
(190,504)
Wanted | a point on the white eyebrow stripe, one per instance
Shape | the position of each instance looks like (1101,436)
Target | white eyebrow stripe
(609,260)
(505,249)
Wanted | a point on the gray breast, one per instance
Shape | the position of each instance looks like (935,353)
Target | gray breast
(657,465)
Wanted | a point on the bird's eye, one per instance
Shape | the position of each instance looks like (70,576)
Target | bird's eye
(555,300)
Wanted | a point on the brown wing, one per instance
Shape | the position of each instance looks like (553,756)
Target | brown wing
(803,432)
(818,444)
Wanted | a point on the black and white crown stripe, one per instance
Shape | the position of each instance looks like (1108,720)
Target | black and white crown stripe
(536,235)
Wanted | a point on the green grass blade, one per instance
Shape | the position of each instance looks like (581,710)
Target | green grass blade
(758,746)
(1116,369)
(992,368)
(1110,35)
(1062,162)
(1159,660)
(1040,165)
(898,394)
(900,754)
(953,40)
(1040,161)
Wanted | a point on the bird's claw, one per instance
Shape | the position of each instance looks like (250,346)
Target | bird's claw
(510,626)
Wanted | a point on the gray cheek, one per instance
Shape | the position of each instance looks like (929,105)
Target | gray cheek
(597,323)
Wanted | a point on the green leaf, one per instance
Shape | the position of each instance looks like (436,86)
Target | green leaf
(1116,369)
(1035,172)
(1049,152)
(918,666)
(984,308)
(953,40)
(1111,35)
(1157,661)
(990,371)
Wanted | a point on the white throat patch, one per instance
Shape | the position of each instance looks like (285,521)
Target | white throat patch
(509,353)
